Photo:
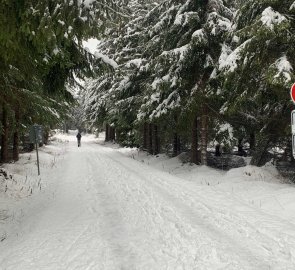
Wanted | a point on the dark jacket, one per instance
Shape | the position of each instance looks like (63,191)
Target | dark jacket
(79,136)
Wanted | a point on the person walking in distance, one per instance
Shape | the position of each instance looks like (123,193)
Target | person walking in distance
(79,139)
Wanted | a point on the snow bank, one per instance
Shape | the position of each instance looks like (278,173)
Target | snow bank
(259,187)
(19,181)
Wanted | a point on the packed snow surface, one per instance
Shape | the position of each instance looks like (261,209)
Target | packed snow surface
(104,207)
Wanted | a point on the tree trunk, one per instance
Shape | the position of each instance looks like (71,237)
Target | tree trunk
(156,144)
(66,129)
(258,157)
(241,151)
(16,136)
(195,143)
(112,133)
(46,135)
(145,136)
(107,135)
(117,135)
(175,145)
(150,139)
(4,137)
(240,145)
(204,135)
(252,142)
(217,150)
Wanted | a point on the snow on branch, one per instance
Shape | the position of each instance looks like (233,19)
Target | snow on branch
(270,18)
(106,59)
(226,128)
(183,19)
(163,21)
(218,24)
(172,80)
(177,51)
(199,35)
(171,102)
(284,69)
(88,3)
(124,83)
(137,62)
(228,58)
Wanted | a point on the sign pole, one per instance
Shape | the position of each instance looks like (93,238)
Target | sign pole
(292,93)
(36,142)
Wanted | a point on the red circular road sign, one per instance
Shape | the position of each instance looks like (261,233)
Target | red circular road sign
(292,92)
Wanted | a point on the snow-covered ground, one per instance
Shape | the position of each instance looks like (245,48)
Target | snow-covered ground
(105,207)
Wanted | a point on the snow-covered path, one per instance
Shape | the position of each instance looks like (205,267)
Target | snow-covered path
(103,210)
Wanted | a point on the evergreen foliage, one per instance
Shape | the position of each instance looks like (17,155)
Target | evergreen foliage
(219,70)
(41,53)
(257,71)
(169,75)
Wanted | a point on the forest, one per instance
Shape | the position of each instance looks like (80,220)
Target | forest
(206,77)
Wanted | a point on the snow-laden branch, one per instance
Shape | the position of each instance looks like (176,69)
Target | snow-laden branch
(271,17)
(106,59)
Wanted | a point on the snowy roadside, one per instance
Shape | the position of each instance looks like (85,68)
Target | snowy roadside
(19,183)
(106,207)
(250,208)
(262,188)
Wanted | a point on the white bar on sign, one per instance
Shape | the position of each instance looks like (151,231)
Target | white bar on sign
(293,121)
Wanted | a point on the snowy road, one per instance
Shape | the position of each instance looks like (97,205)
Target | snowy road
(103,210)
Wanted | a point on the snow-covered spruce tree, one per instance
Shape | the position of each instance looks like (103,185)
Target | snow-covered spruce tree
(161,64)
(257,67)
(114,97)
(183,50)
(40,50)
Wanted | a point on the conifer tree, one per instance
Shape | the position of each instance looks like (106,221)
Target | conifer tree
(257,71)
(185,46)
(41,51)
(117,94)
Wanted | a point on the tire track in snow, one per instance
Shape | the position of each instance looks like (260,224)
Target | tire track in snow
(110,212)
(176,236)
(265,259)
(112,228)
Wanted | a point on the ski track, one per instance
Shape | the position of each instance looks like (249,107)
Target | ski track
(102,210)
(197,216)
